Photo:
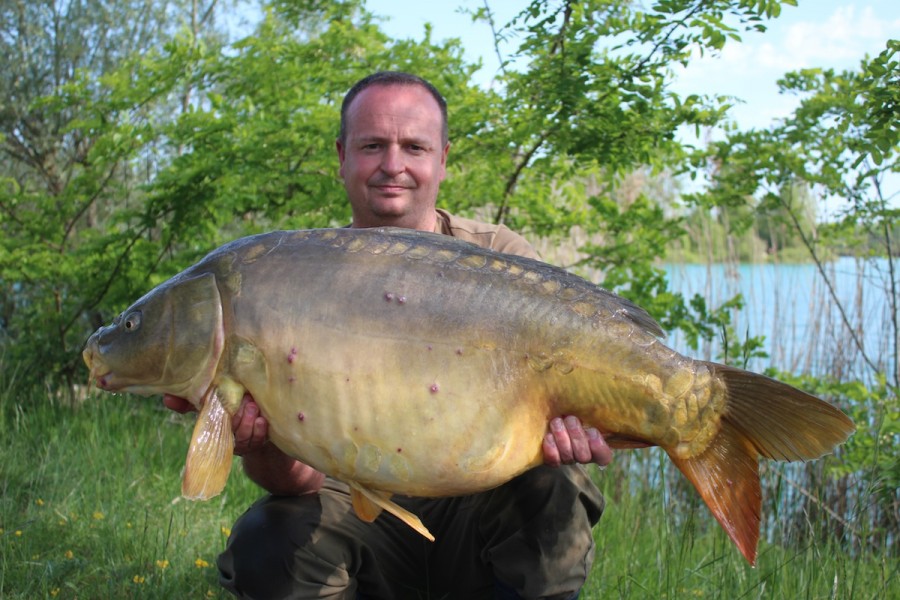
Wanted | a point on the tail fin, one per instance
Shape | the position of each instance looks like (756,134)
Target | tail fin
(763,417)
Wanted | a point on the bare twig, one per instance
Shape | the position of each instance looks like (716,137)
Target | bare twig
(820,267)
(495,35)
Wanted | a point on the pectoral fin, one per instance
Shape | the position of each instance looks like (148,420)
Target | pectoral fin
(210,454)
(368,504)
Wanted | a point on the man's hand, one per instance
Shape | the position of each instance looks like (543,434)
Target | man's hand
(251,430)
(569,442)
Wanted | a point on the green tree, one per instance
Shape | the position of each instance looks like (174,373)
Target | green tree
(75,147)
(183,142)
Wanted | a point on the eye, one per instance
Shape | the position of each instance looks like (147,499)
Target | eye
(132,321)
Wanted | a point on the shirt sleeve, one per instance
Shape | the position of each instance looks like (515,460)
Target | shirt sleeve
(495,237)
(509,242)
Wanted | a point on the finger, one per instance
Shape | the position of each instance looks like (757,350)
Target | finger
(601,453)
(551,452)
(562,439)
(578,440)
(260,432)
(179,405)
(243,427)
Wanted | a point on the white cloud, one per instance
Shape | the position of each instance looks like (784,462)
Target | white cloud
(830,35)
(843,38)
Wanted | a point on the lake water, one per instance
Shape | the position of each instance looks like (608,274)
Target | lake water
(791,306)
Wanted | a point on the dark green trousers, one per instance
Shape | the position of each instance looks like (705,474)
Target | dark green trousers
(531,535)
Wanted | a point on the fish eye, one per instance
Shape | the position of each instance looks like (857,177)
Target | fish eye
(131,321)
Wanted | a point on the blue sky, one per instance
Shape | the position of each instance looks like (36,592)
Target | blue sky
(817,33)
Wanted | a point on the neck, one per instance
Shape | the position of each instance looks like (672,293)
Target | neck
(426,222)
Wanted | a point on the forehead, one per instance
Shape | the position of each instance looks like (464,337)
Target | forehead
(394,107)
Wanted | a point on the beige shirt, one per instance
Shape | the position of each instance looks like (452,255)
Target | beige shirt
(495,237)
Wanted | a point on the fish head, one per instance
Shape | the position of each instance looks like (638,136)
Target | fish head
(169,341)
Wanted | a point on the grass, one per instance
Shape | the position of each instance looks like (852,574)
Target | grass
(90,508)
(651,544)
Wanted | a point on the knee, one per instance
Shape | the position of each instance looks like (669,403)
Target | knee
(259,558)
(541,541)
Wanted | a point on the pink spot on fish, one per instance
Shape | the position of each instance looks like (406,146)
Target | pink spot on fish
(301,417)
(434,388)
(292,355)
(388,296)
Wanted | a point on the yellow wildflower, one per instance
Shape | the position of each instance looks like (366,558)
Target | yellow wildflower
(18,533)
(54,592)
(69,555)
(138,579)
(39,502)
(226,532)
(200,563)
(162,564)
(99,516)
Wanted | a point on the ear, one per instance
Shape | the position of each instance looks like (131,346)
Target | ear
(341,152)
(444,152)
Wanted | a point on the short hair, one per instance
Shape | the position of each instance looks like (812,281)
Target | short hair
(388,78)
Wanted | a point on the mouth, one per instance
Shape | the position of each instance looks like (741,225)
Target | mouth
(392,186)
(102,380)
(391,189)
(97,374)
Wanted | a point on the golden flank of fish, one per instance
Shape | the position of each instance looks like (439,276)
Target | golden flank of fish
(404,362)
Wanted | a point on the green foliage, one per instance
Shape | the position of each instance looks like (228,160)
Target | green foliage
(189,143)
(871,458)
(123,164)
(190,146)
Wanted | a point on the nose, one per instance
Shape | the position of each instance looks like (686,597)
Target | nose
(392,161)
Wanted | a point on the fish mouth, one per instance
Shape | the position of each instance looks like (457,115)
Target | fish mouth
(104,380)
(98,373)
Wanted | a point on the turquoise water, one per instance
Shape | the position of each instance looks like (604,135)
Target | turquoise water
(791,306)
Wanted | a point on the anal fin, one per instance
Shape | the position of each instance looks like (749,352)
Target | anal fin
(366,509)
(211,451)
(368,504)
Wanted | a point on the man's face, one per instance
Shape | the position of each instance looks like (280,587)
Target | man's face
(393,158)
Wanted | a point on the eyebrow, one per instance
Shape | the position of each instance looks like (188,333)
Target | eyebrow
(416,140)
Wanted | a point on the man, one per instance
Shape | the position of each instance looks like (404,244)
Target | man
(529,538)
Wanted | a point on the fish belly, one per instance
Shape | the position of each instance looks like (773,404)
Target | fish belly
(407,416)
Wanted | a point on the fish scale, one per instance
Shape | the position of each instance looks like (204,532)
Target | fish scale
(366,350)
